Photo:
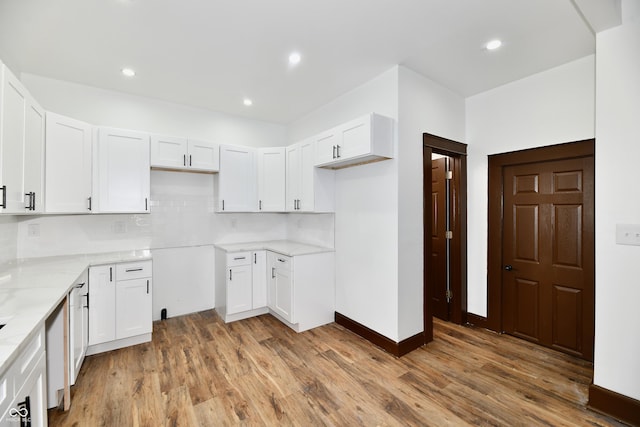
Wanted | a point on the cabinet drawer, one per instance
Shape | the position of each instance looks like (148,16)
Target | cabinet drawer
(133,270)
(283,262)
(238,258)
(24,364)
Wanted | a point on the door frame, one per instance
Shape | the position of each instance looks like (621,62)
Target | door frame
(583,148)
(458,153)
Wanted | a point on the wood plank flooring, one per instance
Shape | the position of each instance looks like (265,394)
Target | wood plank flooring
(199,371)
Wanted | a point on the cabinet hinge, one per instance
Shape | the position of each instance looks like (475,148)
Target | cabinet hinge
(449,295)
(448,235)
(448,175)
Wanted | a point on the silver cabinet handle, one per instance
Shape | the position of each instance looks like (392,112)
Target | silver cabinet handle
(184,160)
(129,270)
(222,204)
(334,151)
(260,204)
(147,286)
(281,260)
(111,274)
(3,205)
(273,272)
(230,275)
(80,285)
(239,258)
(189,159)
(89,200)
(255,258)
(146,203)
(337,151)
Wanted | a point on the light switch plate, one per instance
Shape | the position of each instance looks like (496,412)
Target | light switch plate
(628,234)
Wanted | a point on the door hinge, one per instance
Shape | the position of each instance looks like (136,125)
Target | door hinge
(449,295)
(448,235)
(448,175)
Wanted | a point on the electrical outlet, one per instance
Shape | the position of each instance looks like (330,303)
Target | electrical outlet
(33,230)
(119,227)
(628,234)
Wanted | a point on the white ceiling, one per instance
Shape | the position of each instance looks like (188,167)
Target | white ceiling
(213,53)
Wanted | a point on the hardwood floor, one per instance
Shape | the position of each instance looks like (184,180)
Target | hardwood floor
(200,372)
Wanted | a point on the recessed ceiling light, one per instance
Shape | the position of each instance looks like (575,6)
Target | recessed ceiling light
(294,58)
(247,102)
(493,44)
(128,72)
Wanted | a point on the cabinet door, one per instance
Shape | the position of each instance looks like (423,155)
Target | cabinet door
(168,152)
(123,171)
(293,177)
(102,304)
(133,308)
(326,146)
(355,138)
(306,193)
(280,285)
(283,302)
(36,410)
(78,323)
(203,156)
(34,157)
(259,279)
(12,128)
(67,165)
(239,289)
(271,179)
(237,180)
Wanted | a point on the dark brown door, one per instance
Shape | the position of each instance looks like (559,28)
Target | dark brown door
(438,270)
(548,254)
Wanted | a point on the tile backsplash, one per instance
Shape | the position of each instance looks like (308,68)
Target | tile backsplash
(8,239)
(182,214)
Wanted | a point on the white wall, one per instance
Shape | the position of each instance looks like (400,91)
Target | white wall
(617,341)
(550,107)
(366,212)
(424,106)
(109,108)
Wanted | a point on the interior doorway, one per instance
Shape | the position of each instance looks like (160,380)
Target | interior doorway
(445,232)
(541,229)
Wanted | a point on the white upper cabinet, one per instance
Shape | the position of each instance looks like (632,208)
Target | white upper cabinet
(237,190)
(309,189)
(184,154)
(68,165)
(364,140)
(168,152)
(203,156)
(271,179)
(34,158)
(121,171)
(21,147)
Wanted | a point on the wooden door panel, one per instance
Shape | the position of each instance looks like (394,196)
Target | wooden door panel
(525,239)
(567,239)
(548,235)
(567,318)
(438,229)
(526,308)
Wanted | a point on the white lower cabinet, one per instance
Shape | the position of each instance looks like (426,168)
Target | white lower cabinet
(23,387)
(280,285)
(120,304)
(241,286)
(299,290)
(78,325)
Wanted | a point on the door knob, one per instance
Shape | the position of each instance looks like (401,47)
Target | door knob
(508,267)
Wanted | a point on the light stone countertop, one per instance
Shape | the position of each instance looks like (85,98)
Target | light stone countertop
(284,247)
(31,289)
